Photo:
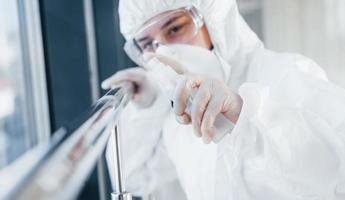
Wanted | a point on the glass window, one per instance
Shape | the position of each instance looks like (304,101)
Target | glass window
(12,117)
(18,94)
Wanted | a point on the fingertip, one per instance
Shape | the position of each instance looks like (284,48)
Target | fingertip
(206,139)
(207,135)
(105,85)
(178,107)
(183,119)
(196,127)
(148,56)
(197,133)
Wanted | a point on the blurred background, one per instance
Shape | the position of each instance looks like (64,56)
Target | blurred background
(55,53)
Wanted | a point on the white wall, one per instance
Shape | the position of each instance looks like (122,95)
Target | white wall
(315,28)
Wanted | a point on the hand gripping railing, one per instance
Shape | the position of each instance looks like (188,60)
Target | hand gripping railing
(59,168)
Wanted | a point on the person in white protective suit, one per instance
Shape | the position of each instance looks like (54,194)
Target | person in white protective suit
(287,139)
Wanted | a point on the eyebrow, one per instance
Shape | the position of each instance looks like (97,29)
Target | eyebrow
(170,21)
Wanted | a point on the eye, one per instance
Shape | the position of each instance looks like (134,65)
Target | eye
(148,45)
(175,29)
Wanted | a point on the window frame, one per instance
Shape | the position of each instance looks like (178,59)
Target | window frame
(37,118)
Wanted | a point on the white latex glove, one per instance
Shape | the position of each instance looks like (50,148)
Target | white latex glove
(145,92)
(203,98)
(211,97)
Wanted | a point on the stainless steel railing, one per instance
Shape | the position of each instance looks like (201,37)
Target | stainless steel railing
(59,168)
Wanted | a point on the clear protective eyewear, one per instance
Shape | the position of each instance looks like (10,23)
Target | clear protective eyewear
(178,26)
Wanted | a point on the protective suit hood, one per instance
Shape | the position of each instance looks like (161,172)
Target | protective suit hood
(232,38)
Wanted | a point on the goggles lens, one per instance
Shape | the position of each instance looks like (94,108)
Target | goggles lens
(173,27)
(179,27)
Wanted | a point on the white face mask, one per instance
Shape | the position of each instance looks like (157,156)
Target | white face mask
(194,60)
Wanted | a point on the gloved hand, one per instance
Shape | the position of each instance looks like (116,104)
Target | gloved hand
(211,97)
(145,91)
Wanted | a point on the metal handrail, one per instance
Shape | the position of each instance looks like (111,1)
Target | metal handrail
(62,167)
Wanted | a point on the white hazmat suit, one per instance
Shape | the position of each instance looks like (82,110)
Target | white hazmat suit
(288,143)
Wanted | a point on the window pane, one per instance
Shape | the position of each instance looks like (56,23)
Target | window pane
(13,140)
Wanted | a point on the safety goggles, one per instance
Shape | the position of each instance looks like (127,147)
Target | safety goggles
(178,26)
